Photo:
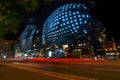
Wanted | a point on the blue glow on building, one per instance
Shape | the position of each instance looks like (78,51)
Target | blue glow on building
(68,22)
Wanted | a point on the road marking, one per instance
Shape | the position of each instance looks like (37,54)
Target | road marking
(54,74)
(106,69)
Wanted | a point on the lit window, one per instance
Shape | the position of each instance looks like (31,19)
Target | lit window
(73,13)
(74,5)
(71,21)
(69,26)
(66,15)
(78,5)
(85,7)
(59,15)
(60,30)
(85,22)
(59,18)
(70,17)
(83,15)
(66,19)
(63,20)
(85,31)
(70,6)
(64,24)
(87,16)
(80,19)
(75,20)
(77,12)
(63,17)
(73,25)
(65,27)
(79,15)
(70,14)
(80,22)
(77,27)
(68,22)
(74,16)
(74,28)
(76,23)
(57,22)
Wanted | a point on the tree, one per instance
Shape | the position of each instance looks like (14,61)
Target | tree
(12,12)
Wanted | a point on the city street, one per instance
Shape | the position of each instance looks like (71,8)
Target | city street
(59,71)
(59,40)
(10,73)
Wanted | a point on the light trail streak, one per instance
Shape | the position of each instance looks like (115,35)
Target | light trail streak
(53,74)
(104,69)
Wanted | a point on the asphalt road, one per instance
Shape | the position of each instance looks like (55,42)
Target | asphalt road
(58,71)
(22,72)
(10,73)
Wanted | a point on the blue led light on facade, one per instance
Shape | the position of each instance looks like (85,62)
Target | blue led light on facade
(80,22)
(79,16)
(67,20)
(85,31)
(85,22)
(76,23)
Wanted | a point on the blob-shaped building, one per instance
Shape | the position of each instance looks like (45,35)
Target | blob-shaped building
(69,22)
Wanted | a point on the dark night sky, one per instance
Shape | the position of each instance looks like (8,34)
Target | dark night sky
(105,10)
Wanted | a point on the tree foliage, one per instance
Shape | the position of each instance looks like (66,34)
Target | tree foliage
(12,12)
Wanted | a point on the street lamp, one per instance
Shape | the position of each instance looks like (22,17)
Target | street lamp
(34,46)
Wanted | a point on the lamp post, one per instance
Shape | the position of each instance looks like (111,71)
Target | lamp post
(34,46)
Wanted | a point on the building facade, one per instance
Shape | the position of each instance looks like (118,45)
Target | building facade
(6,48)
(70,23)
(71,29)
